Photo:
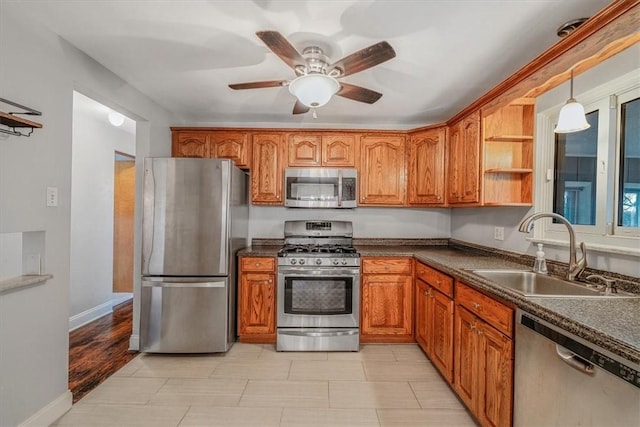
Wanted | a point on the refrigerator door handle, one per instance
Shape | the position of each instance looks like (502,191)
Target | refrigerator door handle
(154,284)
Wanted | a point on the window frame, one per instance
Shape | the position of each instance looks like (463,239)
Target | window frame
(604,236)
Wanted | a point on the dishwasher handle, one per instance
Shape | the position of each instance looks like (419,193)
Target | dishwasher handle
(575,361)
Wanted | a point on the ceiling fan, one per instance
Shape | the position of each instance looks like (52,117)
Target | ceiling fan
(317,78)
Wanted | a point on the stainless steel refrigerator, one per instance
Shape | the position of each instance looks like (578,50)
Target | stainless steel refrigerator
(195,219)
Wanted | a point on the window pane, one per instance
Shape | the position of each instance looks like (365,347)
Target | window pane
(629,200)
(574,192)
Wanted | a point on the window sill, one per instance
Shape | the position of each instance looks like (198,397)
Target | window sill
(594,247)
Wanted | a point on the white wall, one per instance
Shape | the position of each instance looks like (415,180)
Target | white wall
(94,143)
(41,71)
(268,221)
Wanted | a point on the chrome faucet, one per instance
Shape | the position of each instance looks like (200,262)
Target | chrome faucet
(575,266)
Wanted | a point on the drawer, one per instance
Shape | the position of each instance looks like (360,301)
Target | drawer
(386,265)
(496,314)
(433,277)
(258,264)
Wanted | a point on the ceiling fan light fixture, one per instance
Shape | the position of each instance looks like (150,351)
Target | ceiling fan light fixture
(314,90)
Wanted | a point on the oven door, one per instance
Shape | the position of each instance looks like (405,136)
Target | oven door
(318,298)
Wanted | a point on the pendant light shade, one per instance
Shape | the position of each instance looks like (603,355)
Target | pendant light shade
(314,90)
(572,117)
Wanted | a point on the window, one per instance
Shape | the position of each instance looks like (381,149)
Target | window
(592,177)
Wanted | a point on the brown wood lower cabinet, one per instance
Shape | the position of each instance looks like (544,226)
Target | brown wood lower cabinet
(257,300)
(434,323)
(483,357)
(386,309)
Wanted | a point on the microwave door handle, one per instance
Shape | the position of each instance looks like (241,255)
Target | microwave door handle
(339,188)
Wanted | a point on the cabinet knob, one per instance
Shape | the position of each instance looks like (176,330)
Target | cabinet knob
(270,280)
(421,271)
(477,306)
(425,293)
(480,331)
(257,264)
(439,198)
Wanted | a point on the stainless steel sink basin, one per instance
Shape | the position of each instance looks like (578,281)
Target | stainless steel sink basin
(533,284)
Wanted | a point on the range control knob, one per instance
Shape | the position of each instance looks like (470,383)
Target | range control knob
(318,261)
(294,261)
(336,262)
(344,261)
(301,262)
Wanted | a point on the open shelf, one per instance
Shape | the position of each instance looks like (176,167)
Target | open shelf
(510,138)
(17,122)
(507,178)
(509,170)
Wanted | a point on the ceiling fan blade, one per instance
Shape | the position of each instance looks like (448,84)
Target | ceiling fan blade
(281,47)
(300,108)
(365,58)
(258,85)
(358,93)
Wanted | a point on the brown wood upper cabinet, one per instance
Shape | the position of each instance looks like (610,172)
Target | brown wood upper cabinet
(464,161)
(190,144)
(267,169)
(382,170)
(231,145)
(426,166)
(213,144)
(328,150)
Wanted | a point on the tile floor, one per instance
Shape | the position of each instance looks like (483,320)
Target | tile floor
(253,385)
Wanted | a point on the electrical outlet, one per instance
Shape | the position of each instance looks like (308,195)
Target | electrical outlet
(52,196)
(498,233)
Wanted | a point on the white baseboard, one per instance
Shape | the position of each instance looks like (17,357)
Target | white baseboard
(120,297)
(134,342)
(51,412)
(90,315)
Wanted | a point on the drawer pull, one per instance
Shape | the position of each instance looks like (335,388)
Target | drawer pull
(477,306)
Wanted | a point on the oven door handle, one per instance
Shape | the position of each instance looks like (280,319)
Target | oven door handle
(306,272)
(308,333)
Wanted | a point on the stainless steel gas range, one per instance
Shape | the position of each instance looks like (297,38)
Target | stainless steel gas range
(318,288)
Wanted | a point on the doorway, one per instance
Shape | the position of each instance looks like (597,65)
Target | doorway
(124,187)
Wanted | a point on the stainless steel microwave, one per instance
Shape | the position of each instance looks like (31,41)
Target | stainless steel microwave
(320,188)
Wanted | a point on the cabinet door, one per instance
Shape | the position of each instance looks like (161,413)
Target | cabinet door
(190,144)
(426,167)
(231,145)
(387,305)
(422,315)
(466,357)
(257,304)
(339,151)
(471,154)
(304,150)
(441,334)
(464,161)
(266,169)
(382,170)
(455,164)
(496,382)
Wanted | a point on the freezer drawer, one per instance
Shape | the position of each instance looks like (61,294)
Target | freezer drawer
(180,315)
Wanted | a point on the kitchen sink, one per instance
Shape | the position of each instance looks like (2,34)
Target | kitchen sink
(533,284)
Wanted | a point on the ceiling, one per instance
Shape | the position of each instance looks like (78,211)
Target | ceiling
(183,54)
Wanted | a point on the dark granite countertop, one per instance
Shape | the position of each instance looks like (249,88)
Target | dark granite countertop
(613,324)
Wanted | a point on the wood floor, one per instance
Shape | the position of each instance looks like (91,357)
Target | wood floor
(99,349)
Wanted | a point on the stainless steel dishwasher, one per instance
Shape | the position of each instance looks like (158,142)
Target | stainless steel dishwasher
(564,380)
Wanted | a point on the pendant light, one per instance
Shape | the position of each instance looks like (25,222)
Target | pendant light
(572,117)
